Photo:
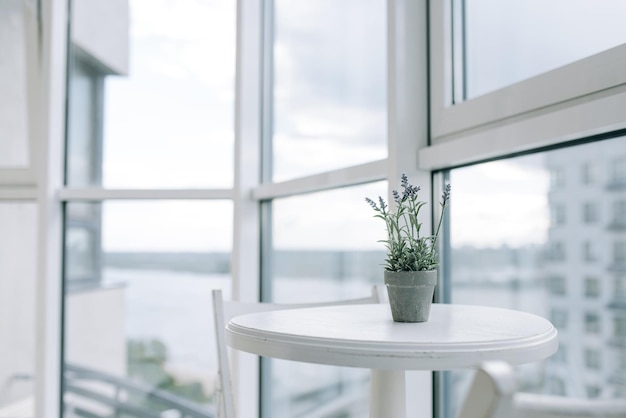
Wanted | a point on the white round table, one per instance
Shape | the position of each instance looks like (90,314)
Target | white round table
(455,336)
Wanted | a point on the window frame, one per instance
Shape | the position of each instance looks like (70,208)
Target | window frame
(545,110)
(558,108)
(407,92)
(469,132)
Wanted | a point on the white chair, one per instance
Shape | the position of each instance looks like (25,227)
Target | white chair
(223,311)
(493,394)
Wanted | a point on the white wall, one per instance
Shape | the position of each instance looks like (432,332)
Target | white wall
(100,28)
(18,231)
(13,106)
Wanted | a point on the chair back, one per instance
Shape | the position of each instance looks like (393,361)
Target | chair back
(493,394)
(223,311)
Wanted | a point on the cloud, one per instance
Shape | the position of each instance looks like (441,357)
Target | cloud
(501,202)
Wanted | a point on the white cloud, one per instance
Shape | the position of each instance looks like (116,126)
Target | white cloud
(502,202)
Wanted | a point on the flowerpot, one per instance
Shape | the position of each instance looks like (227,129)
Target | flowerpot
(410,294)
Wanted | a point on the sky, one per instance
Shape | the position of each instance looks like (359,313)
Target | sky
(509,41)
(500,202)
(170,122)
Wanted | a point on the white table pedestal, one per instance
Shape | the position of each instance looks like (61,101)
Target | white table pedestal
(387,394)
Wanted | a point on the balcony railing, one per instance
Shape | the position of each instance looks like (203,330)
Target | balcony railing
(94,394)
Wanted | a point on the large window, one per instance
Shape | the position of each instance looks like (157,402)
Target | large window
(169,122)
(500,50)
(329,114)
(329,85)
(145,239)
(156,264)
(324,248)
(168,165)
(501,253)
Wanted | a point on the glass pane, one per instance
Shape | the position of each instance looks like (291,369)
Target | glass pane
(13,85)
(325,248)
(329,85)
(18,276)
(138,304)
(506,42)
(522,237)
(168,123)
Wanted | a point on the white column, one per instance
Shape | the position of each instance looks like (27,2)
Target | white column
(408,133)
(48,130)
(387,394)
(246,254)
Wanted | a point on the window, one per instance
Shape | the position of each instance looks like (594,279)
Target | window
(619,252)
(557,386)
(620,286)
(324,248)
(557,214)
(560,356)
(557,177)
(588,174)
(559,318)
(484,233)
(557,285)
(177,100)
(592,359)
(619,214)
(618,172)
(593,391)
(620,326)
(329,86)
(481,115)
(589,252)
(592,322)
(590,212)
(556,251)
(499,50)
(621,360)
(592,287)
(329,113)
(145,240)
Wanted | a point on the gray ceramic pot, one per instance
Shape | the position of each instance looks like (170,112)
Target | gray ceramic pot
(410,294)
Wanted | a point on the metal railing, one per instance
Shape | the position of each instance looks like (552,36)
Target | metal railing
(91,393)
(117,400)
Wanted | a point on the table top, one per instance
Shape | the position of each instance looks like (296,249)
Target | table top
(455,336)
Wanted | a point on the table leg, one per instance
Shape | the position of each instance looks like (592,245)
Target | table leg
(387,394)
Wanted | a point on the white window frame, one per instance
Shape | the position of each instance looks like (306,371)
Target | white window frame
(407,133)
(407,113)
(581,99)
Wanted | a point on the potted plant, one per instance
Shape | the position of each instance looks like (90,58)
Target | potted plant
(411,262)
